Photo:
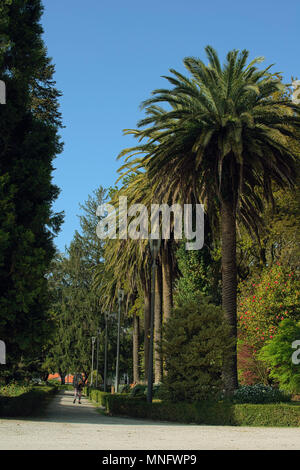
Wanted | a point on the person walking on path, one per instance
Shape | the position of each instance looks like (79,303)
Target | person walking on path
(78,386)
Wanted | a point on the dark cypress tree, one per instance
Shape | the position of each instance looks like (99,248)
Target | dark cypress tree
(29,142)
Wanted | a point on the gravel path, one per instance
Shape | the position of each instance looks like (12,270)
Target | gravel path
(68,426)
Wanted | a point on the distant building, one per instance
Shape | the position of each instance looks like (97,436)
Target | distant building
(68,378)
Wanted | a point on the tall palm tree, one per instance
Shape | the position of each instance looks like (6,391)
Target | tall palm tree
(223,139)
(127,266)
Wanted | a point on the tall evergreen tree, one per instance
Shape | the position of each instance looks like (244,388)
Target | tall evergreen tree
(29,142)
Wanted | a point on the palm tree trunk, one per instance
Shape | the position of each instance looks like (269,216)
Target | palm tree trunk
(229,287)
(166,281)
(147,315)
(136,333)
(158,368)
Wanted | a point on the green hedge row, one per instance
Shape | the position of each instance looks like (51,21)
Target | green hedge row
(220,413)
(97,396)
(26,404)
(214,413)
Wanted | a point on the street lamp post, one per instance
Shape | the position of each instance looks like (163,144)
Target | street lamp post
(120,299)
(93,346)
(154,248)
(97,366)
(105,353)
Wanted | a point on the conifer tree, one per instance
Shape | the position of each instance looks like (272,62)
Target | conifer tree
(196,345)
(29,142)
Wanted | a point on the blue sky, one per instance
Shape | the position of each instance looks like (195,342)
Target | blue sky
(110,55)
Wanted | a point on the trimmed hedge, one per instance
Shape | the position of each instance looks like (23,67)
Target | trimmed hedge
(214,413)
(97,396)
(27,403)
(198,413)
(209,413)
(275,415)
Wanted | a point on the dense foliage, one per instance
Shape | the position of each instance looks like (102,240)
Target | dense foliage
(196,345)
(267,298)
(76,309)
(259,393)
(199,273)
(29,143)
(282,355)
(251,369)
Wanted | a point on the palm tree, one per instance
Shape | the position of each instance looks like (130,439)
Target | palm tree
(127,265)
(223,140)
(138,190)
(121,269)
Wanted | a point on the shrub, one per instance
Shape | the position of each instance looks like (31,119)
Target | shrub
(265,300)
(138,391)
(26,404)
(251,370)
(259,393)
(14,389)
(160,391)
(124,388)
(277,354)
(96,395)
(195,347)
